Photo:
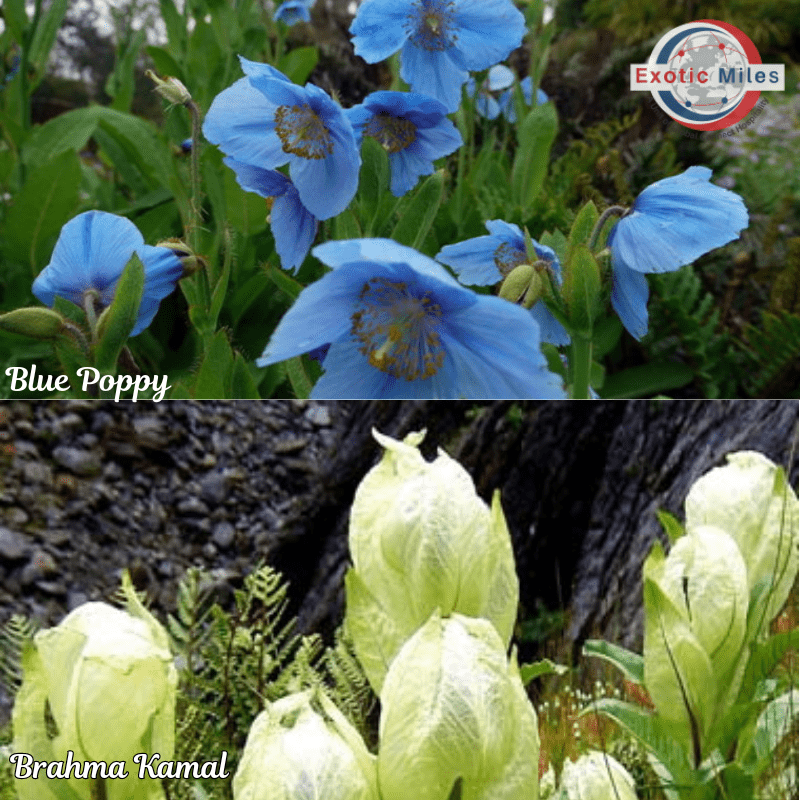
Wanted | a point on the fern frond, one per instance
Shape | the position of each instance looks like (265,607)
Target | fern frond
(775,351)
(14,635)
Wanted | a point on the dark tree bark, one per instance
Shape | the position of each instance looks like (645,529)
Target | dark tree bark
(580,485)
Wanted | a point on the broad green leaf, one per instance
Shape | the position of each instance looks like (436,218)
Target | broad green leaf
(535,135)
(68,131)
(775,724)
(246,211)
(763,658)
(46,201)
(647,380)
(630,664)
(243,387)
(117,321)
(176,25)
(418,214)
(213,379)
(583,225)
(165,63)
(536,669)
(298,377)
(670,524)
(299,63)
(345,226)
(119,84)
(45,37)
(653,732)
(16,18)
(374,176)
(581,289)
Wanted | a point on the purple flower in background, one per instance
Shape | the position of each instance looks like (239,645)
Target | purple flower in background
(439,41)
(672,223)
(412,128)
(91,253)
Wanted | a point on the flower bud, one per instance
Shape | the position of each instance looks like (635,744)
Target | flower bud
(108,680)
(751,500)
(189,259)
(596,776)
(38,323)
(421,539)
(170,89)
(453,708)
(302,746)
(517,283)
(696,615)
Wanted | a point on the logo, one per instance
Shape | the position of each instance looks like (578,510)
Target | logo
(707,75)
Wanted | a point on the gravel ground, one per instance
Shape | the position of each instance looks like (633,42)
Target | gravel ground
(88,489)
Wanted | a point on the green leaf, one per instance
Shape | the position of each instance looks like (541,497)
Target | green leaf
(214,376)
(630,664)
(671,526)
(117,321)
(45,37)
(581,289)
(764,657)
(417,216)
(654,733)
(345,226)
(16,18)
(646,380)
(243,387)
(298,377)
(176,26)
(299,63)
(46,201)
(120,82)
(68,131)
(536,669)
(165,63)
(535,136)
(374,176)
(583,225)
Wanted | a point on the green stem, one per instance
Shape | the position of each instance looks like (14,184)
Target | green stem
(90,296)
(97,789)
(617,211)
(192,234)
(581,366)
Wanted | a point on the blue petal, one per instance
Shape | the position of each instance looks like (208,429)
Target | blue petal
(378,29)
(510,232)
(495,355)
(500,77)
(675,221)
(162,270)
(266,182)
(293,227)
(345,251)
(488,30)
(433,73)
(254,68)
(291,12)
(473,260)
(91,252)
(551,329)
(241,121)
(629,293)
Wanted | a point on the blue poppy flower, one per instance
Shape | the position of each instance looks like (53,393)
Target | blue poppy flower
(498,78)
(266,121)
(291,12)
(413,130)
(486,260)
(293,225)
(672,223)
(506,99)
(399,326)
(91,253)
(439,40)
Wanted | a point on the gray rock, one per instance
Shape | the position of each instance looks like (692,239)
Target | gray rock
(80,462)
(13,546)
(214,487)
(192,505)
(223,535)
(40,566)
